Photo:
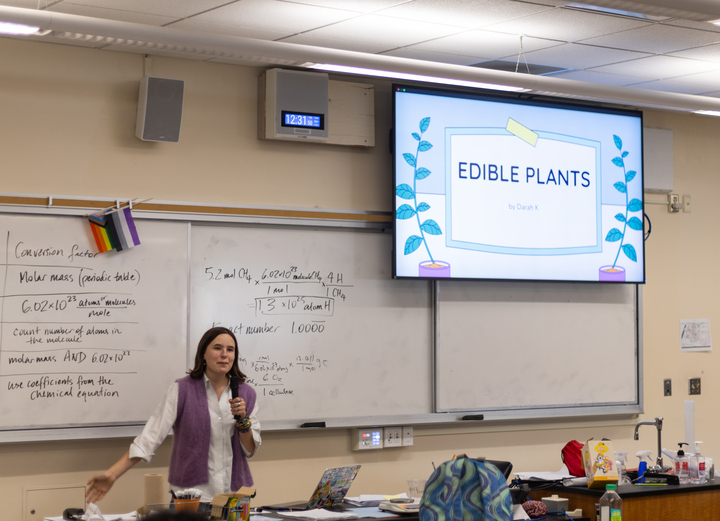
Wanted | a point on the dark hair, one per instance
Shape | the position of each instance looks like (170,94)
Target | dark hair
(207,339)
(176,516)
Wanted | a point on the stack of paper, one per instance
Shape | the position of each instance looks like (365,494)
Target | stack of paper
(319,514)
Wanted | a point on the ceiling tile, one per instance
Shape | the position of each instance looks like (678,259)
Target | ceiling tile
(578,56)
(658,39)
(658,67)
(418,54)
(567,25)
(597,77)
(173,8)
(708,53)
(710,78)
(193,24)
(487,44)
(475,14)
(671,86)
(26,4)
(380,32)
(271,15)
(360,6)
(111,14)
(701,26)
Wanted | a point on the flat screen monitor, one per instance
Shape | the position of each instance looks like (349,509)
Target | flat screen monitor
(515,189)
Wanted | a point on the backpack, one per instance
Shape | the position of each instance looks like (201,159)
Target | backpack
(466,489)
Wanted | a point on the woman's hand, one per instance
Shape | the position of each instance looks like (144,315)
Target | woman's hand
(98,486)
(237,407)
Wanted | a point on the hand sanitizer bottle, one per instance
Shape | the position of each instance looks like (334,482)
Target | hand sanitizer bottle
(701,467)
(682,466)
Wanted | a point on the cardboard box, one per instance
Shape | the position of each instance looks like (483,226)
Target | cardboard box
(221,510)
(599,461)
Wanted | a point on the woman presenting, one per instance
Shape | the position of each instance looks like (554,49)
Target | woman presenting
(210,448)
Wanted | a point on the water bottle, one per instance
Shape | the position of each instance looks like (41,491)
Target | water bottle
(610,505)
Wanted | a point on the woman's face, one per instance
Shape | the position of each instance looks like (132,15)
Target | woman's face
(220,355)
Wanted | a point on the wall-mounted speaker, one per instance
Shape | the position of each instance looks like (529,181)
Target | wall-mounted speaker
(159,109)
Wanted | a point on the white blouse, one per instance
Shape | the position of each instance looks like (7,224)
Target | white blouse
(222,428)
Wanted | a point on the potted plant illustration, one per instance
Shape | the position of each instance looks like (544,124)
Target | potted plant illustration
(615,272)
(428,267)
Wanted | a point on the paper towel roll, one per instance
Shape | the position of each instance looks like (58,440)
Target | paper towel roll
(155,489)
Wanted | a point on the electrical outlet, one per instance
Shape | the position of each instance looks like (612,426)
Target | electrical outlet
(667,387)
(393,437)
(694,386)
(407,436)
(687,206)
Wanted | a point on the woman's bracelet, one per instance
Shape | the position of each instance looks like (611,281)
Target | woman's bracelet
(244,424)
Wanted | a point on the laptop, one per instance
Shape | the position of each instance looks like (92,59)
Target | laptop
(331,490)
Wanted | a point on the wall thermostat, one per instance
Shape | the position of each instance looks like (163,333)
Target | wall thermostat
(293,105)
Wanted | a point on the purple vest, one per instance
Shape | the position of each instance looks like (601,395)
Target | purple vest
(191,446)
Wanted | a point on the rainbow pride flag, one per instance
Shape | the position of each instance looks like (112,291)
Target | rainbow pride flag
(114,230)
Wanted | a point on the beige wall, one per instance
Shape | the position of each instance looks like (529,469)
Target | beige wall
(67,120)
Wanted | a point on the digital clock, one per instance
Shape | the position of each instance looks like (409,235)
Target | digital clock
(303,120)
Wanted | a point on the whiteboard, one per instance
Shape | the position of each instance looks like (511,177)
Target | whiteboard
(536,345)
(323,331)
(87,338)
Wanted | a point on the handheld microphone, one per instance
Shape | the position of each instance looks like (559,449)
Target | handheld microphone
(234,392)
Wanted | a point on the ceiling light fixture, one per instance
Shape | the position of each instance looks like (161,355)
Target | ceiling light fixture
(14,29)
(412,77)
(707,112)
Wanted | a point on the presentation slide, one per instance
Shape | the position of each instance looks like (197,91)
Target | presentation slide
(494,189)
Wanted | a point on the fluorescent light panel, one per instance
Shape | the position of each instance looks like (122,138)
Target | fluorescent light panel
(707,112)
(412,77)
(17,29)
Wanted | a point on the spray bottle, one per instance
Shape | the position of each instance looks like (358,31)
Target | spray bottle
(642,466)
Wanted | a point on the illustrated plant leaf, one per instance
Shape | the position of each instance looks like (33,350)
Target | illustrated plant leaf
(423,207)
(624,154)
(405,212)
(405,191)
(424,146)
(635,223)
(618,161)
(618,142)
(630,252)
(620,187)
(416,136)
(614,235)
(424,124)
(422,173)
(630,176)
(410,159)
(412,244)
(620,217)
(431,227)
(635,205)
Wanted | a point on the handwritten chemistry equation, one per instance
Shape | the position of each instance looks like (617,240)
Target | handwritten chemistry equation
(64,324)
(285,291)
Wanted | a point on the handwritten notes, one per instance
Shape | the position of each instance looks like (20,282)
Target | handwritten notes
(323,331)
(88,338)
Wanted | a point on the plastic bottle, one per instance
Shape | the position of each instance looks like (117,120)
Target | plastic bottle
(610,505)
(621,463)
(699,463)
(682,466)
(642,464)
